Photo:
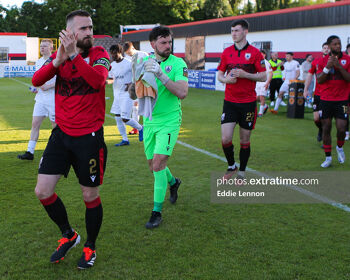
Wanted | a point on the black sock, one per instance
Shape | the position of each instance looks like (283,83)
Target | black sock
(347,124)
(229,153)
(57,212)
(244,154)
(93,220)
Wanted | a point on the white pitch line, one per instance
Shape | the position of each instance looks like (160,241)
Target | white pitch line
(296,188)
(23,83)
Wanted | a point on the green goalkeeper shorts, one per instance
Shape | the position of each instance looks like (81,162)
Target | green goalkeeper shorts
(159,140)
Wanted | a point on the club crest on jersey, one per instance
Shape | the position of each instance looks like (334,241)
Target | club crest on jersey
(247,56)
(168,68)
(343,61)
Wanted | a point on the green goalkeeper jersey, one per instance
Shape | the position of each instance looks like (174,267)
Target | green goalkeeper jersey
(167,110)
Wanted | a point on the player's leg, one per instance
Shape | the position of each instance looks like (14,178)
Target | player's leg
(317,120)
(273,86)
(347,135)
(282,90)
(341,117)
(279,100)
(244,152)
(247,121)
(93,222)
(116,110)
(341,128)
(126,110)
(263,106)
(165,140)
(39,114)
(89,163)
(55,161)
(229,119)
(326,115)
(135,115)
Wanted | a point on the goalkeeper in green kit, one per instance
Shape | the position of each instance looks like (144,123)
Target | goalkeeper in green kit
(161,131)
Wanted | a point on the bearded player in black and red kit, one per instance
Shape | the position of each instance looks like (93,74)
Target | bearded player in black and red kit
(333,74)
(243,65)
(77,140)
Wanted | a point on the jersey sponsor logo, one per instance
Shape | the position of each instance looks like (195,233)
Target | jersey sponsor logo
(74,86)
(93,177)
(250,68)
(247,56)
(343,61)
(103,62)
(185,72)
(168,68)
(48,61)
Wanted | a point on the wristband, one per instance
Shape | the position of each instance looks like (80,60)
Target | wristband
(326,70)
(73,56)
(164,78)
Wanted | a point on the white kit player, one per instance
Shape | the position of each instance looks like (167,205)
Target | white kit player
(129,52)
(291,72)
(44,101)
(122,105)
(261,87)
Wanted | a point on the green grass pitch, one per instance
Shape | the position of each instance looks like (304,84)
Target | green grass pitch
(197,239)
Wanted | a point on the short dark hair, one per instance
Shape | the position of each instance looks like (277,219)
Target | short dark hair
(331,38)
(347,46)
(159,31)
(308,55)
(324,44)
(80,13)
(262,51)
(127,45)
(290,53)
(116,48)
(241,22)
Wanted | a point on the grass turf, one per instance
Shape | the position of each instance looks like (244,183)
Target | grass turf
(197,239)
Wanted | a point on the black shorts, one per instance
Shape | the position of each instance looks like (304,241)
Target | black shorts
(87,154)
(242,113)
(316,103)
(336,109)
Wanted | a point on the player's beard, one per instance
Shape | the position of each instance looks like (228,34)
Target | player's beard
(86,43)
(164,54)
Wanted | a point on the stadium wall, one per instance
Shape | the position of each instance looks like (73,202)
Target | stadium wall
(301,41)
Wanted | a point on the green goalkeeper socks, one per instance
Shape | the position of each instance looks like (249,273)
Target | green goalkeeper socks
(160,186)
(170,177)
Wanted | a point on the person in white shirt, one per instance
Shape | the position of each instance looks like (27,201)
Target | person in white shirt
(305,67)
(291,72)
(129,52)
(261,87)
(122,105)
(44,101)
